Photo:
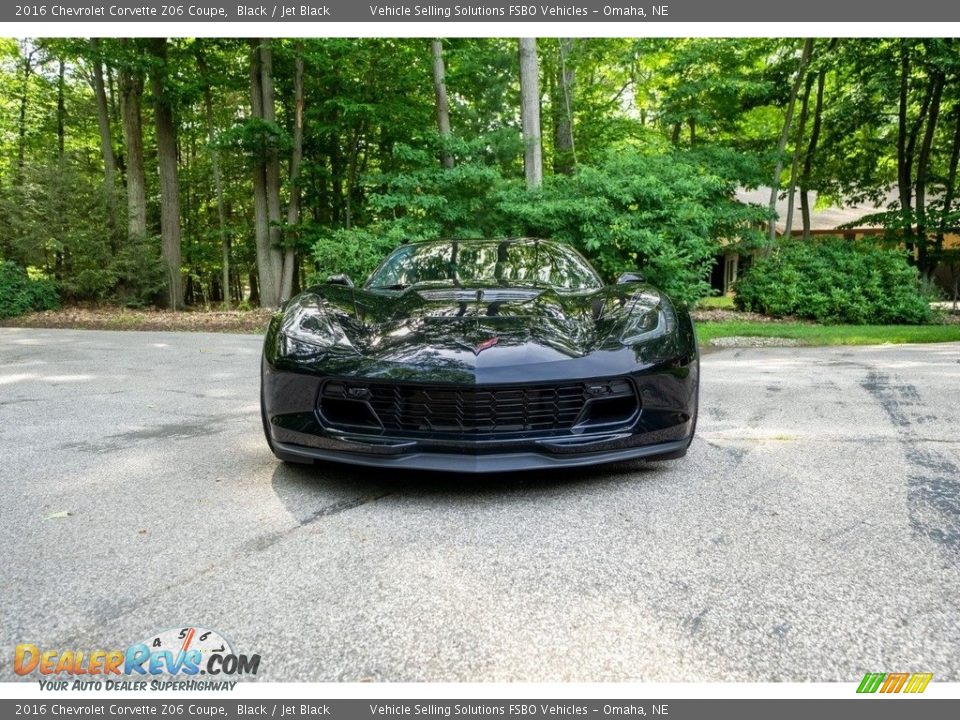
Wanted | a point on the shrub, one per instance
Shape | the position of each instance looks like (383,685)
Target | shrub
(20,294)
(835,281)
(659,213)
(355,252)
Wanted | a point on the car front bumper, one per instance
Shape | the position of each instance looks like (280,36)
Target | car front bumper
(414,459)
(662,428)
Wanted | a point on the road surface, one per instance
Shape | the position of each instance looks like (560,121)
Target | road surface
(812,532)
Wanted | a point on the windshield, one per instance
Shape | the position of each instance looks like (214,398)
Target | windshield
(503,263)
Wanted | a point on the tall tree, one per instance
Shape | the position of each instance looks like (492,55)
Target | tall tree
(907,135)
(795,164)
(24,99)
(204,69)
(937,80)
(293,208)
(784,136)
(103,125)
(811,151)
(61,110)
(565,154)
(950,187)
(530,112)
(130,79)
(166,131)
(440,93)
(266,175)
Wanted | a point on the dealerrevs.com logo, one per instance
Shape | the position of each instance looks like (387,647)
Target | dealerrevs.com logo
(171,660)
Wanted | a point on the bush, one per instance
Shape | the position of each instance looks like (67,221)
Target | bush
(835,281)
(355,252)
(659,213)
(20,294)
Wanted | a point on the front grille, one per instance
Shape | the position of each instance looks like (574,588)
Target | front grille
(462,410)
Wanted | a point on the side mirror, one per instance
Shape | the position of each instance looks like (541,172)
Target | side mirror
(341,279)
(630,277)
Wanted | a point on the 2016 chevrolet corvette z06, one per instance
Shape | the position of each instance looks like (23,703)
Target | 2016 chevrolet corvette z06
(480,356)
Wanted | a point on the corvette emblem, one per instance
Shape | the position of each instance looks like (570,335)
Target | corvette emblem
(489,343)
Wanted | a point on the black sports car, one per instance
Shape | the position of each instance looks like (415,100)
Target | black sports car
(480,356)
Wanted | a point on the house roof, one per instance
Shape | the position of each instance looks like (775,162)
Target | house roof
(829,217)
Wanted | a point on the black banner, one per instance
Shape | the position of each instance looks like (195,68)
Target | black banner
(618,11)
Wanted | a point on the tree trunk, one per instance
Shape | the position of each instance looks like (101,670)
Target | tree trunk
(22,124)
(103,124)
(923,171)
(903,167)
(443,110)
(352,167)
(675,135)
(950,188)
(266,180)
(565,154)
(61,113)
(217,177)
(337,169)
(254,288)
(795,165)
(293,209)
(812,146)
(530,113)
(784,136)
(131,96)
(906,146)
(169,181)
(272,171)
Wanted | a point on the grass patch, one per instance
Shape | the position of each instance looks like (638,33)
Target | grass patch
(811,334)
(723,302)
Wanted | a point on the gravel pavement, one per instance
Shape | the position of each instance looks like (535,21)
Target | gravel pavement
(811,533)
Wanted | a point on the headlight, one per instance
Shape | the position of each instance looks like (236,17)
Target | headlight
(649,321)
(307,322)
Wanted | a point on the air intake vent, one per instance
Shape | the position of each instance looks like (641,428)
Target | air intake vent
(415,410)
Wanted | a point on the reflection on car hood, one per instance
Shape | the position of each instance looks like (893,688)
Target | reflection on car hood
(482,326)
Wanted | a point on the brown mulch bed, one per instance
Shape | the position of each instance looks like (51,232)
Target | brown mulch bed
(944,317)
(238,321)
(255,321)
(948,318)
(719,315)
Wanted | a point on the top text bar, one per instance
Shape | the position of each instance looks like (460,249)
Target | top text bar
(332,11)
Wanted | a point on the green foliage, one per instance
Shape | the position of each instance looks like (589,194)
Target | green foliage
(352,252)
(19,293)
(77,241)
(255,137)
(664,214)
(664,129)
(835,281)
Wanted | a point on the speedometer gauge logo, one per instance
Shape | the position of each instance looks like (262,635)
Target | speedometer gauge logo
(186,639)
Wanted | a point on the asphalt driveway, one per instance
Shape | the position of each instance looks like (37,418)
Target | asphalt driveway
(812,533)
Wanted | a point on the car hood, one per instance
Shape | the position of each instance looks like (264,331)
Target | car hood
(481,327)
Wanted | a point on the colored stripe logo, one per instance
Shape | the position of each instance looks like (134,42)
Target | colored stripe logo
(894,682)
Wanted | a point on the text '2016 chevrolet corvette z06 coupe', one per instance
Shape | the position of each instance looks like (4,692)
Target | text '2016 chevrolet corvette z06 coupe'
(480,356)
